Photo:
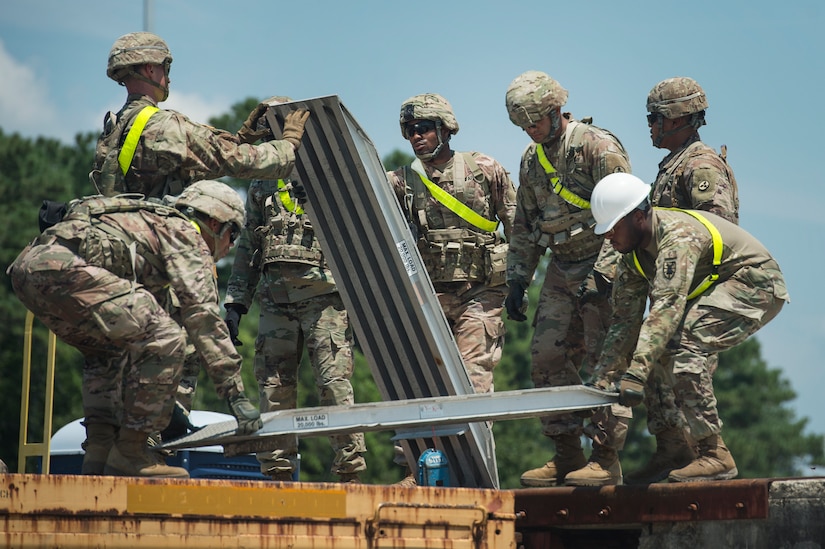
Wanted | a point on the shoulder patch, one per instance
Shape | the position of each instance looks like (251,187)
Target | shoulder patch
(669,266)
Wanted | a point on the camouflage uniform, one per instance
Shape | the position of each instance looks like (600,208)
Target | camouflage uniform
(679,335)
(280,259)
(567,334)
(465,264)
(692,176)
(80,279)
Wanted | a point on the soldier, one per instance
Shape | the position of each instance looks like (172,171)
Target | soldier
(710,285)
(95,278)
(692,176)
(559,170)
(455,201)
(280,259)
(158,152)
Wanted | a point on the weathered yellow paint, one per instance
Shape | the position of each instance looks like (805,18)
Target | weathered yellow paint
(235,501)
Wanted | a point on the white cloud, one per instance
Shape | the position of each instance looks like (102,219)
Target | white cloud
(24,100)
(195,107)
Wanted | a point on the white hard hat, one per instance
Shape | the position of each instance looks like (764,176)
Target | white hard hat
(615,196)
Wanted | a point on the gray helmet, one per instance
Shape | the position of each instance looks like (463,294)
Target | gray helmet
(136,48)
(532,96)
(214,199)
(428,106)
(675,97)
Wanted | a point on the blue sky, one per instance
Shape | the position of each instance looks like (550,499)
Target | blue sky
(760,63)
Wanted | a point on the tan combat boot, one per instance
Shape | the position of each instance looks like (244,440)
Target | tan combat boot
(672,452)
(130,458)
(409,480)
(100,438)
(714,463)
(569,457)
(602,469)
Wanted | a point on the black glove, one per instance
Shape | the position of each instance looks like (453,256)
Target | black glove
(249,418)
(595,286)
(515,303)
(179,425)
(631,390)
(299,192)
(233,322)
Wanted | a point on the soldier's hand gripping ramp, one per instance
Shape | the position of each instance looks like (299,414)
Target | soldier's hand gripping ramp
(393,308)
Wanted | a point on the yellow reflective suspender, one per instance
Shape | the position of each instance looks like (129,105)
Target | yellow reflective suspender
(286,200)
(566,194)
(716,239)
(456,206)
(127,152)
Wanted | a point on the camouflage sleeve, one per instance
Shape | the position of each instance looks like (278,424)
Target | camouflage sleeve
(607,155)
(399,186)
(680,250)
(706,181)
(607,260)
(245,273)
(523,255)
(502,190)
(190,269)
(205,152)
(630,290)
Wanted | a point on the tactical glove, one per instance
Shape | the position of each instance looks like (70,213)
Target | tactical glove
(179,425)
(631,390)
(294,126)
(249,418)
(233,321)
(515,303)
(250,131)
(595,286)
(299,192)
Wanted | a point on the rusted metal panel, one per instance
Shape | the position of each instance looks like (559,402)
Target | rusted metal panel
(628,505)
(70,511)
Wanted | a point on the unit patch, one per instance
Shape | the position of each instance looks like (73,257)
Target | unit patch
(669,266)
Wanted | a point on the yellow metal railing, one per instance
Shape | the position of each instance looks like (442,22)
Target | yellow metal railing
(33,449)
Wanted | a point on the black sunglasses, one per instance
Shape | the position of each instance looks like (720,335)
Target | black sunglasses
(234,231)
(419,128)
(653,117)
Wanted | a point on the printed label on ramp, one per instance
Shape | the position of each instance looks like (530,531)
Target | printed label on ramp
(310,421)
(406,257)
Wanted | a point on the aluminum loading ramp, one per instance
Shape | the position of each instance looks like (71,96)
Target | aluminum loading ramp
(425,415)
(394,311)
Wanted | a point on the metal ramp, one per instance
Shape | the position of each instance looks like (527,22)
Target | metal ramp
(426,416)
(395,314)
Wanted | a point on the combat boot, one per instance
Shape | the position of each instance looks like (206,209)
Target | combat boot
(714,463)
(672,452)
(100,437)
(409,481)
(602,469)
(349,478)
(130,457)
(281,476)
(569,457)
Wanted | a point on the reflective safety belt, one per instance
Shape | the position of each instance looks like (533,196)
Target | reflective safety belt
(716,239)
(127,152)
(454,205)
(286,200)
(567,195)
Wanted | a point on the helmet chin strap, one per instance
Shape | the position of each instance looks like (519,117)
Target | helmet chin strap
(555,124)
(426,157)
(164,89)
(216,237)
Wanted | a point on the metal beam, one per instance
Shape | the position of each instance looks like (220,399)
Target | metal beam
(425,414)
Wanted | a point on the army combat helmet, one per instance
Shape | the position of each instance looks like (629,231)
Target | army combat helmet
(433,107)
(532,96)
(674,98)
(134,49)
(216,200)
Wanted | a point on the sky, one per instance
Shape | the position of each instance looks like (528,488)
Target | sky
(760,64)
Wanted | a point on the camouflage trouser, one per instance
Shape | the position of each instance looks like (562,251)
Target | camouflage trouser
(322,324)
(106,318)
(721,318)
(475,321)
(567,338)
